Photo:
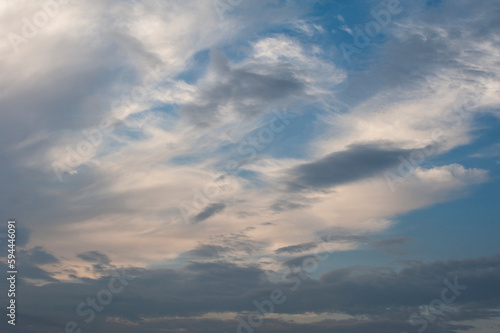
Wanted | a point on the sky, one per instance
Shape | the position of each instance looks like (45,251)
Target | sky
(251,166)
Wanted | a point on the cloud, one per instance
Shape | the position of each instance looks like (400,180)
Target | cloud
(37,255)
(209,211)
(244,90)
(378,295)
(22,238)
(101,262)
(357,162)
(296,248)
(390,245)
(208,251)
(94,256)
(28,262)
(221,79)
(285,205)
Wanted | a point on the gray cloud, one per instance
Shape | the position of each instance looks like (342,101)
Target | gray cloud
(22,236)
(386,296)
(94,256)
(337,236)
(102,263)
(31,271)
(248,90)
(209,251)
(38,255)
(198,325)
(209,211)
(29,260)
(391,245)
(333,236)
(296,248)
(27,270)
(357,162)
(285,205)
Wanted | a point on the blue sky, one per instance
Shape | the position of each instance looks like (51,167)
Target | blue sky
(336,161)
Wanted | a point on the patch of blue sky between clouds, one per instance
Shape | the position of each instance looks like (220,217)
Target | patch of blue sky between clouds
(170,110)
(463,228)
(485,134)
(197,67)
(252,176)
(294,141)
(130,133)
(339,20)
